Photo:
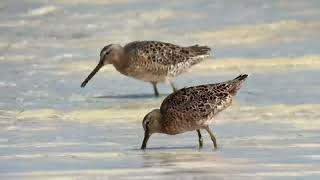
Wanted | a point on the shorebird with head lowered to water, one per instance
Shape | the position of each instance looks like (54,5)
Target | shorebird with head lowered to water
(191,109)
(150,61)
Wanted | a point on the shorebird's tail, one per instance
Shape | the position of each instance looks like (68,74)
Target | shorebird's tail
(236,82)
(200,50)
(241,77)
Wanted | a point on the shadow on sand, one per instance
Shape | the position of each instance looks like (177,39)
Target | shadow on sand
(167,148)
(130,96)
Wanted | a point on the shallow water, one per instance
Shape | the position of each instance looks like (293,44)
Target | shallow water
(50,128)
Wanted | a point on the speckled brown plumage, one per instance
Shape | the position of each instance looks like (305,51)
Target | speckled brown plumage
(150,61)
(195,106)
(163,59)
(192,108)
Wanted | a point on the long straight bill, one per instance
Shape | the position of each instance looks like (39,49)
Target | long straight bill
(96,69)
(145,139)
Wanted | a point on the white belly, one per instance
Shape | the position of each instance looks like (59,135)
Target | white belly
(148,76)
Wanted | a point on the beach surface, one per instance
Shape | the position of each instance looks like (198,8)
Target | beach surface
(50,128)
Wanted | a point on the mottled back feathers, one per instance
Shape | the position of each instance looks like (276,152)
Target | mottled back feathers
(171,58)
(200,102)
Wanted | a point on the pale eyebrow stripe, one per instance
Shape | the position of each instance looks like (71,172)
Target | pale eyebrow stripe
(103,50)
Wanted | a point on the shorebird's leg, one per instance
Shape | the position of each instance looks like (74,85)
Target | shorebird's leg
(156,93)
(200,138)
(212,137)
(173,86)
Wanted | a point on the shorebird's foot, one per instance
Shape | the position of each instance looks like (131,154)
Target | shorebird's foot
(173,86)
(200,143)
(213,138)
(200,139)
(156,93)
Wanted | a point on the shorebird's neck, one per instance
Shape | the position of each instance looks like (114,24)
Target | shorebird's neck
(119,60)
(155,117)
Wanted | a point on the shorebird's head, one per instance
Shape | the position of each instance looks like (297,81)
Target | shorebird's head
(151,124)
(108,55)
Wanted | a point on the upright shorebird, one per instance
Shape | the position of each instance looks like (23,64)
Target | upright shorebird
(190,109)
(150,61)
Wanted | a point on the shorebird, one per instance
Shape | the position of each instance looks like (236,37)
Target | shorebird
(150,61)
(190,109)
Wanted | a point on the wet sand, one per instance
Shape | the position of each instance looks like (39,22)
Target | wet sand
(50,128)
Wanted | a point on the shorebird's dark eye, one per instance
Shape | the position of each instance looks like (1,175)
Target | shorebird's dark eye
(104,52)
(147,124)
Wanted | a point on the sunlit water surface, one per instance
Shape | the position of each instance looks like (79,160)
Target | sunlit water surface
(50,128)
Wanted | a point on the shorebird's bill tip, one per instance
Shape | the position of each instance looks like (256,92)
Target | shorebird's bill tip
(83,85)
